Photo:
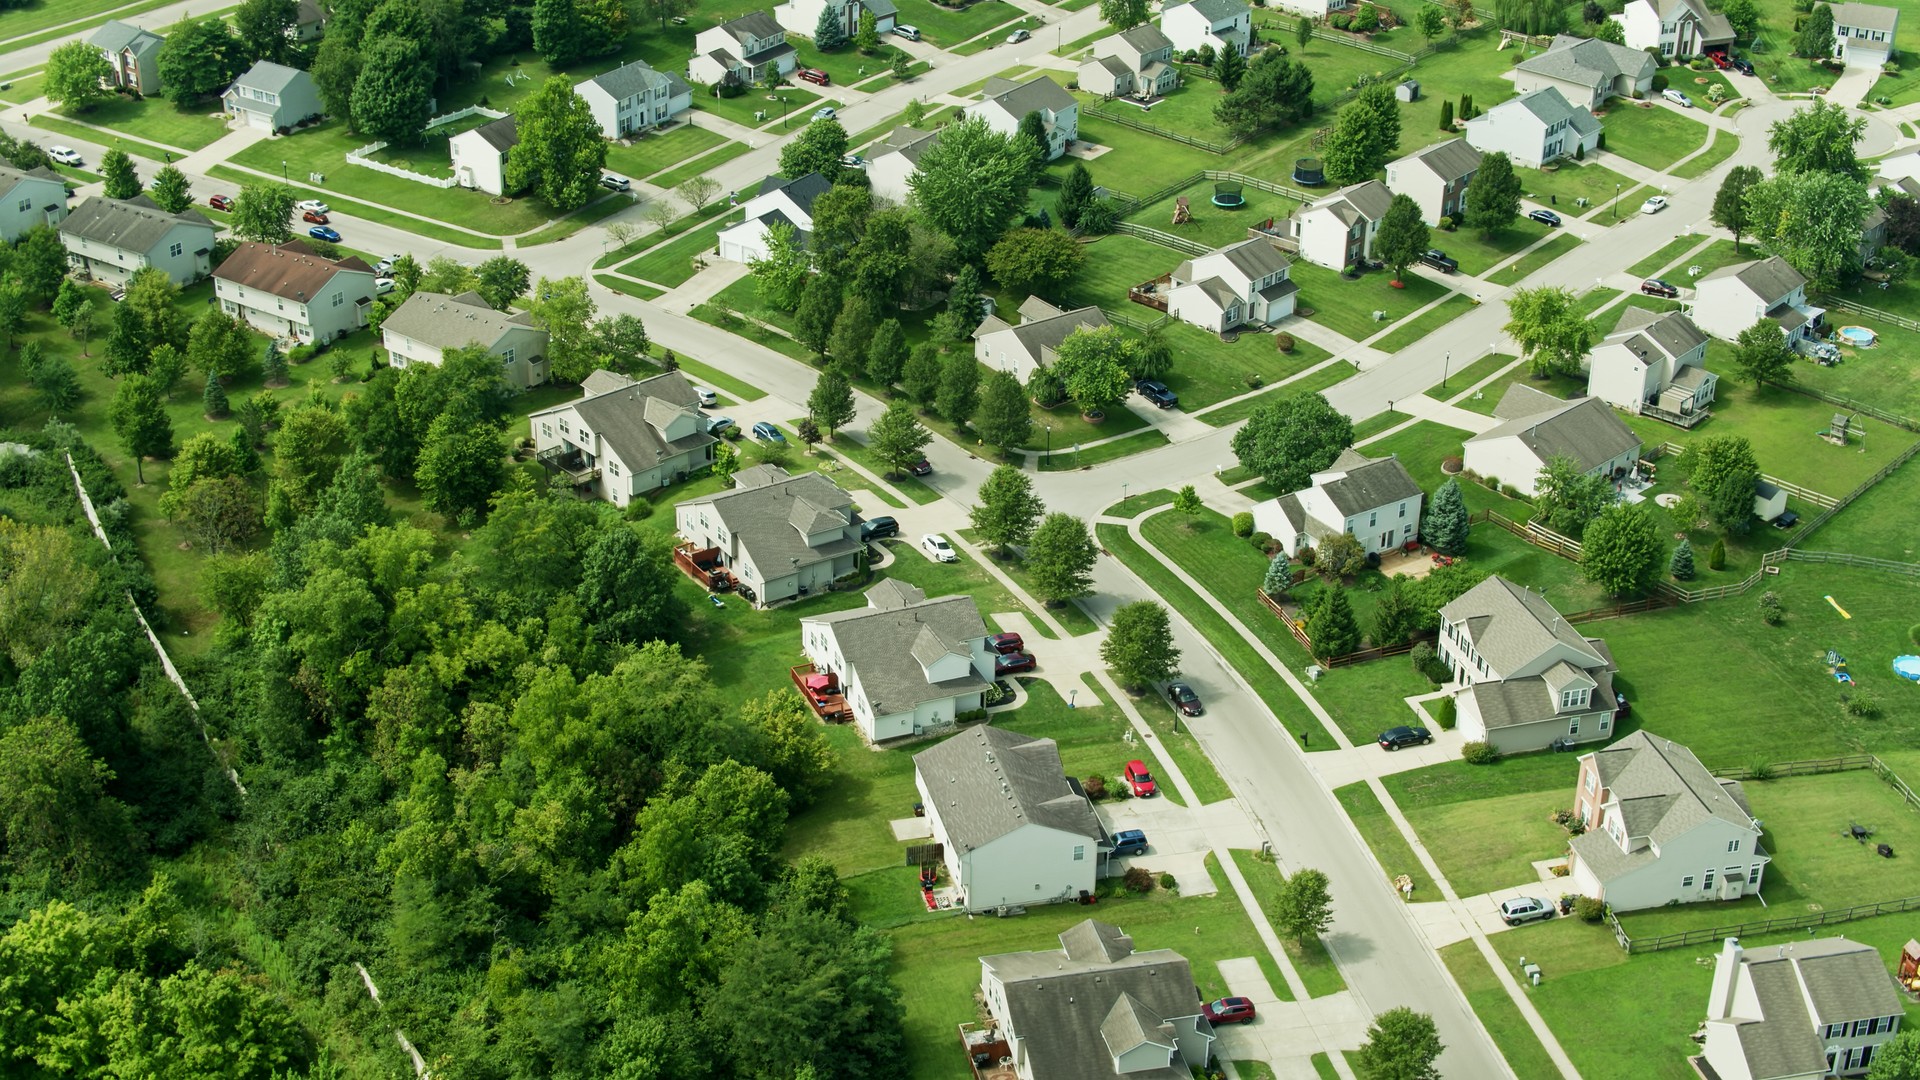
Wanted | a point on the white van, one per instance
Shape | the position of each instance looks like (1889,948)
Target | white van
(911,33)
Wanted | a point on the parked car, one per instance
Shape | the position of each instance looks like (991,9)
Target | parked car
(1013,663)
(1742,65)
(314,217)
(1138,780)
(385,266)
(937,547)
(825,112)
(814,76)
(321,232)
(1017,37)
(1155,391)
(708,399)
(1678,97)
(1129,842)
(1395,738)
(1006,643)
(66,155)
(1524,909)
(879,528)
(1545,217)
(718,425)
(1656,287)
(766,432)
(1654,204)
(853,161)
(923,467)
(1184,699)
(1438,259)
(220,202)
(1720,60)
(1229,1010)
(911,33)
(615,183)
(382,286)
(313,204)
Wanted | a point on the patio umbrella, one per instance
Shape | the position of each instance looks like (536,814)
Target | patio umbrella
(1907,667)
(819,682)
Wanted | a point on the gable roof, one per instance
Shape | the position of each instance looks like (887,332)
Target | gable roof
(1047,331)
(290,270)
(1866,16)
(307,12)
(1368,199)
(632,419)
(115,35)
(11,178)
(1672,331)
(761,511)
(1038,94)
(269,76)
(751,26)
(1772,279)
(1448,160)
(1796,990)
(502,134)
(135,224)
(1663,790)
(1255,257)
(1548,106)
(632,79)
(449,322)
(987,782)
(1504,703)
(1511,625)
(1588,61)
(909,143)
(1214,11)
(1585,430)
(1144,38)
(802,191)
(1373,483)
(893,678)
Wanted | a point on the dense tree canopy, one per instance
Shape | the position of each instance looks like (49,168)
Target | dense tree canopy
(1292,438)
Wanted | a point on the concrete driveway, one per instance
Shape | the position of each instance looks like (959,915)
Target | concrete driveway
(1179,837)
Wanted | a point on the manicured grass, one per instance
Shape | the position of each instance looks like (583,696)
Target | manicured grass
(432,154)
(75,130)
(1459,381)
(1722,148)
(366,210)
(714,315)
(1517,271)
(32,25)
(1483,400)
(1076,46)
(650,154)
(1425,446)
(1652,137)
(1720,253)
(1863,528)
(592,213)
(156,120)
(1310,960)
(705,163)
(1134,505)
(1510,1030)
(1375,424)
(1311,382)
(1138,158)
(1209,224)
(1114,265)
(719,380)
(1323,1067)
(1490,844)
(1186,111)
(631,288)
(1466,64)
(848,65)
(1091,734)
(910,486)
(1887,375)
(671,263)
(1456,782)
(1207,370)
(946,28)
(1477,254)
(1668,254)
(1570,182)
(1426,323)
(1253,1070)
(1070,458)
(22,90)
(788,108)
(1071,616)
(1347,305)
(1395,855)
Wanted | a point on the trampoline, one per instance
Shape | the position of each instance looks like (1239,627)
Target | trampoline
(1907,667)
(1226,195)
(1307,172)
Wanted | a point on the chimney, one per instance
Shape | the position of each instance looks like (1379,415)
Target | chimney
(1725,974)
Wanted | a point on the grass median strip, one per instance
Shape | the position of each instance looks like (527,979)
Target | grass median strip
(1496,1010)
(1315,968)
(720,380)
(691,168)
(1382,835)
(1070,615)
(1312,382)
(1069,459)
(1535,259)
(1426,323)
(910,486)
(631,288)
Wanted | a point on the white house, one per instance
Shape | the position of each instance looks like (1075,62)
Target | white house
(1338,231)
(780,201)
(894,163)
(1312,9)
(286,291)
(133,53)
(1097,1009)
(906,665)
(1004,103)
(1241,283)
(803,16)
(28,198)
(479,155)
(273,96)
(309,21)
(1732,298)
(1131,63)
(623,438)
(1536,427)
(779,534)
(1436,178)
(1653,363)
(749,48)
(634,97)
(421,330)
(1863,34)
(1012,827)
(1674,27)
(1802,1011)
(1661,829)
(1374,500)
(1033,341)
(1195,24)
(1535,128)
(1587,71)
(108,239)
(1528,680)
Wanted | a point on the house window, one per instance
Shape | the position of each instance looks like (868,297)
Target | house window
(1606,723)
(547,430)
(1079,852)
(25,205)
(563,427)
(1753,874)
(1573,726)
(1687,882)
(1706,880)
(1733,845)
(338,299)
(1373,518)
(1574,699)
(1591,781)
(507,357)
(1860,1028)
(1403,509)
(174,250)
(613,467)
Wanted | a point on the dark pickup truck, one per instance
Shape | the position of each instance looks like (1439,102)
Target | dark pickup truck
(1439,261)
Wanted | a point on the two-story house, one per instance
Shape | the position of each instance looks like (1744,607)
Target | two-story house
(1436,178)
(1337,231)
(748,48)
(1801,1011)
(1373,500)
(623,438)
(1195,24)
(906,665)
(1312,9)
(1536,427)
(108,239)
(1660,829)
(272,97)
(893,163)
(1004,103)
(479,155)
(1035,340)
(1097,1009)
(1654,363)
(309,21)
(781,535)
(633,98)
(1733,298)
(803,16)
(1675,27)
(421,330)
(780,202)
(1535,128)
(1528,680)
(1012,827)
(133,53)
(1587,71)
(286,291)
(28,198)
(1241,283)
(1863,34)
(1131,63)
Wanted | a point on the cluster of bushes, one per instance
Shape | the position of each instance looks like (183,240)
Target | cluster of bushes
(1771,611)
(1491,483)
(1284,342)
(1479,753)
(1139,879)
(1243,528)
(1426,660)
(1095,787)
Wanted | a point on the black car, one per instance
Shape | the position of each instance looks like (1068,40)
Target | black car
(1656,287)
(1545,217)
(1184,699)
(1157,393)
(1742,65)
(1395,738)
(878,528)
(1439,261)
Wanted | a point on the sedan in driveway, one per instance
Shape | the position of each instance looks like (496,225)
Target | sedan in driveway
(1229,1010)
(314,205)
(719,424)
(1395,738)
(314,217)
(1013,663)
(1742,65)
(1678,97)
(1656,287)
(1654,205)
(1184,699)
(1524,909)
(321,232)
(1545,217)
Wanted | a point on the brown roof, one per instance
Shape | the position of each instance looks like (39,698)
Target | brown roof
(291,270)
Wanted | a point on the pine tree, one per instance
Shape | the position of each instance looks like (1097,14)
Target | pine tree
(1076,191)
(964,300)
(1681,565)
(828,33)
(1279,575)
(245,458)
(214,399)
(274,368)
(1446,115)
(1717,555)
(1447,521)
(1334,629)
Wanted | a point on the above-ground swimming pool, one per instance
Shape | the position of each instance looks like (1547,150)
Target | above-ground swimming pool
(1858,336)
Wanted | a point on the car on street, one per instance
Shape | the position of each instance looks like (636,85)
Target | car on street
(938,549)
(1656,287)
(1742,65)
(1228,1010)
(314,217)
(321,232)
(879,528)
(1138,780)
(1013,663)
(1006,643)
(825,112)
(923,467)
(1545,217)
(708,399)
(719,424)
(65,155)
(766,432)
(1678,97)
(1017,37)
(1184,699)
(220,202)
(1654,204)
(382,286)
(613,182)
(315,205)
(1156,391)
(1129,842)
(1395,738)
(1438,259)
(814,76)
(1524,909)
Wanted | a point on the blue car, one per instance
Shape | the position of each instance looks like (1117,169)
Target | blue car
(767,433)
(321,232)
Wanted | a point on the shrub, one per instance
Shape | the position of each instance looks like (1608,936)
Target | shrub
(1510,491)
(299,354)
(1589,908)
(1260,540)
(639,509)
(1095,787)
(1717,554)
(1243,524)
(1167,882)
(1139,879)
(1760,770)
(1659,83)
(1600,141)
(1428,663)
(1771,612)
(1284,342)
(1580,151)
(1098,217)
(1479,753)
(1307,555)
(1445,713)
(1861,704)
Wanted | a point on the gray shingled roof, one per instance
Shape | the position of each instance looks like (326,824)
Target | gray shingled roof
(115,35)
(1256,257)
(271,77)
(1512,625)
(752,26)
(1369,199)
(1771,279)
(986,782)
(1781,1041)
(10,177)
(1547,104)
(1866,17)
(449,322)
(1663,790)
(638,77)
(1845,980)
(1114,65)
(1144,38)
(890,644)
(1505,703)
(1038,94)
(802,190)
(1296,514)
(1092,941)
(1672,331)
(502,134)
(1130,1025)
(632,419)
(1589,61)
(135,224)
(760,515)
(1047,333)
(909,143)
(1376,483)
(1449,160)
(1586,431)
(1214,10)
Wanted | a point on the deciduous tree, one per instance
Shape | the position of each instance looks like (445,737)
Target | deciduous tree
(503,279)
(1123,14)
(1060,559)
(1815,37)
(782,274)
(1274,93)
(698,191)
(831,403)
(1565,498)
(626,587)
(139,417)
(852,332)
(560,152)
(958,397)
(461,466)
(1092,365)
(123,181)
(866,35)
(1897,1060)
(263,212)
(1552,331)
(1008,510)
(921,377)
(1003,419)
(1037,261)
(1401,1045)
(265,28)
(1493,199)
(1431,22)
(1402,237)
(817,149)
(170,190)
(1364,136)
(1292,438)
(74,73)
(564,309)
(1762,354)
(970,183)
(55,813)
(1305,908)
(1724,472)
(897,438)
(1730,209)
(1621,551)
(199,60)
(1139,647)
(335,71)
(887,352)
(1812,220)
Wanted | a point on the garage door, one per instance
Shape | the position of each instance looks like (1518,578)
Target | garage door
(263,121)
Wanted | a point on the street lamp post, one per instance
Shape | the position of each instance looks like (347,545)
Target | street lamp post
(1444,365)
(1616,202)
(785,108)
(1049,458)
(283,171)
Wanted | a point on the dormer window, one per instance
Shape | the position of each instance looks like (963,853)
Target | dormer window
(1576,698)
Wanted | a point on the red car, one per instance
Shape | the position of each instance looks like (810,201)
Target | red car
(1139,781)
(1720,60)
(1231,1010)
(1013,663)
(1006,643)
(814,76)
(923,467)
(314,216)
(220,202)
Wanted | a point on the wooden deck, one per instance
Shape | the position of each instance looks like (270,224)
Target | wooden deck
(829,707)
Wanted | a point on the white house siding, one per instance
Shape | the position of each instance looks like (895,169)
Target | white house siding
(26,206)
(335,312)
(616,483)
(1593,726)
(1324,240)
(175,254)
(1031,865)
(1620,379)
(744,242)
(522,351)
(476,164)
(888,176)
(1512,462)
(1689,857)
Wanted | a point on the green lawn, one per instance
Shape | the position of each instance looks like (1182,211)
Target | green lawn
(591,214)
(429,228)
(1413,330)
(432,154)
(1510,1030)
(1490,844)
(156,120)
(846,66)
(1140,162)
(1518,270)
(31,24)
(1424,447)
(1469,64)
(1323,1067)
(1566,183)
(1653,137)
(1863,528)
(1887,375)
(1207,370)
(1070,615)
(697,166)
(1091,734)
(1311,382)
(1477,254)
(1209,224)
(629,287)
(71,129)
(1072,457)
(1187,111)
(650,154)
(1722,148)
(1391,849)
(671,263)
(1114,265)
(1310,961)
(1668,254)
(910,486)
(1457,382)
(946,28)
(719,380)
(1720,253)
(1347,305)
(791,106)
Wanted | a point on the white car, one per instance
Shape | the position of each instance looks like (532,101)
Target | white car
(314,205)
(1677,97)
(382,285)
(385,266)
(1654,205)
(65,155)
(938,549)
(708,398)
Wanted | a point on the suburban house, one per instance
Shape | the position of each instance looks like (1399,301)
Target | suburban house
(803,16)
(421,330)
(1653,363)
(633,98)
(1661,829)
(1587,71)
(780,202)
(1096,1009)
(1528,679)
(1374,500)
(1012,827)
(1337,231)
(1030,343)
(133,53)
(309,21)
(623,438)
(748,48)
(1004,103)
(1732,298)
(28,198)
(906,665)
(480,155)
(1313,9)
(1537,427)
(1131,63)
(1436,178)
(1815,1008)
(108,239)
(1195,24)
(272,97)
(1675,27)
(896,161)
(781,535)
(1535,128)
(1863,34)
(1246,282)
(286,291)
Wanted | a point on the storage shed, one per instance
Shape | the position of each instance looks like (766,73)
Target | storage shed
(1769,502)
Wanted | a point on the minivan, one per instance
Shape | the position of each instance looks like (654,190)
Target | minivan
(1129,842)
(911,33)
(814,76)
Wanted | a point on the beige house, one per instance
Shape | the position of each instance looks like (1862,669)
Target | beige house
(1436,178)
(1020,347)
(1131,63)
(1674,27)
(896,161)
(421,330)
(1374,500)
(1863,34)
(1654,363)
(1587,71)
(108,239)
(1337,231)
(781,535)
(1245,282)
(1004,103)
(1528,680)
(1802,1011)
(1537,427)
(29,198)
(623,438)
(286,291)
(270,97)
(906,665)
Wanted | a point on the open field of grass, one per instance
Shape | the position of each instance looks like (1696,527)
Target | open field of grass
(71,129)
(1569,182)
(1315,968)
(947,28)
(680,174)
(1114,265)
(1346,305)
(156,120)
(1477,254)
(1866,526)
(650,154)
(671,263)
(1186,111)
(1653,137)
(1412,330)
(1490,844)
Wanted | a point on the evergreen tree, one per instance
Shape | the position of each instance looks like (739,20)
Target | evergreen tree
(1076,191)
(1717,554)
(1681,565)
(170,190)
(246,459)
(1229,67)
(1279,577)
(1397,616)
(828,32)
(1448,522)
(273,369)
(1446,115)
(1003,419)
(1333,628)
(1493,199)
(213,400)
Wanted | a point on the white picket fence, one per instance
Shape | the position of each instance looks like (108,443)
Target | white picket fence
(359,157)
